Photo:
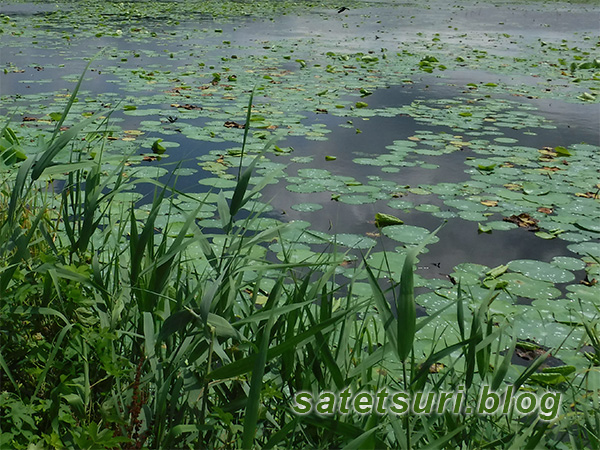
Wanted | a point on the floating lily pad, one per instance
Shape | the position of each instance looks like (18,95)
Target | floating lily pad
(473,216)
(354,241)
(142,112)
(314,173)
(501,225)
(469,274)
(419,191)
(506,140)
(589,224)
(400,204)
(302,159)
(564,309)
(306,188)
(465,205)
(357,199)
(522,286)
(444,214)
(299,255)
(539,270)
(531,326)
(432,301)
(184,171)
(218,183)
(307,207)
(408,234)
(586,248)
(567,263)
(588,294)
(149,172)
(427,207)
(387,261)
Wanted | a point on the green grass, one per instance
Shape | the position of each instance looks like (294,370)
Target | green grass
(117,333)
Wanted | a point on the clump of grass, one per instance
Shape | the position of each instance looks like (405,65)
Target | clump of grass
(118,334)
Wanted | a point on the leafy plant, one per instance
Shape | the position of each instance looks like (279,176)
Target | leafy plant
(120,329)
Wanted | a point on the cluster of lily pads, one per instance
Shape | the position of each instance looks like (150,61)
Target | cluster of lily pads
(175,82)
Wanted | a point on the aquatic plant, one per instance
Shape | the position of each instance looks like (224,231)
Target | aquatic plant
(120,329)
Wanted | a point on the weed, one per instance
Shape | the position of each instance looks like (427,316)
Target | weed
(118,333)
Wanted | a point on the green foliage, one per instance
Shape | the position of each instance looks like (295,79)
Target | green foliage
(120,331)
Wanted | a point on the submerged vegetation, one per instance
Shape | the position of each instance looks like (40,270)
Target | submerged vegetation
(147,303)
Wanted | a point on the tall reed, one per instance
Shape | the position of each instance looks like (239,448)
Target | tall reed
(121,334)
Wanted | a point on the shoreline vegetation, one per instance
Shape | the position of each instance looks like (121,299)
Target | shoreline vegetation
(139,314)
(117,333)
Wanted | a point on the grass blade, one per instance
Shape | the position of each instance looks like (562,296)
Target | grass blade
(246,129)
(45,160)
(358,443)
(406,309)
(405,303)
(439,443)
(383,308)
(253,403)
(244,365)
(71,100)
(532,368)
(17,192)
(8,373)
(50,359)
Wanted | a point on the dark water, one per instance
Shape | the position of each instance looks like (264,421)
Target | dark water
(459,239)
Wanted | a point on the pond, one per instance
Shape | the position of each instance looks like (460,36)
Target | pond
(482,116)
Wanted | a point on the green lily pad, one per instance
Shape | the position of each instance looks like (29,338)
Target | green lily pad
(562,151)
(397,203)
(589,224)
(568,263)
(302,159)
(143,112)
(473,216)
(425,207)
(299,255)
(354,241)
(357,199)
(184,171)
(543,271)
(219,183)
(465,205)
(444,214)
(483,229)
(306,207)
(586,248)
(384,220)
(469,274)
(387,262)
(408,234)
(501,225)
(506,140)
(522,286)
(419,191)
(306,188)
(534,189)
(531,325)
(314,173)
(149,172)
(588,294)
(548,379)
